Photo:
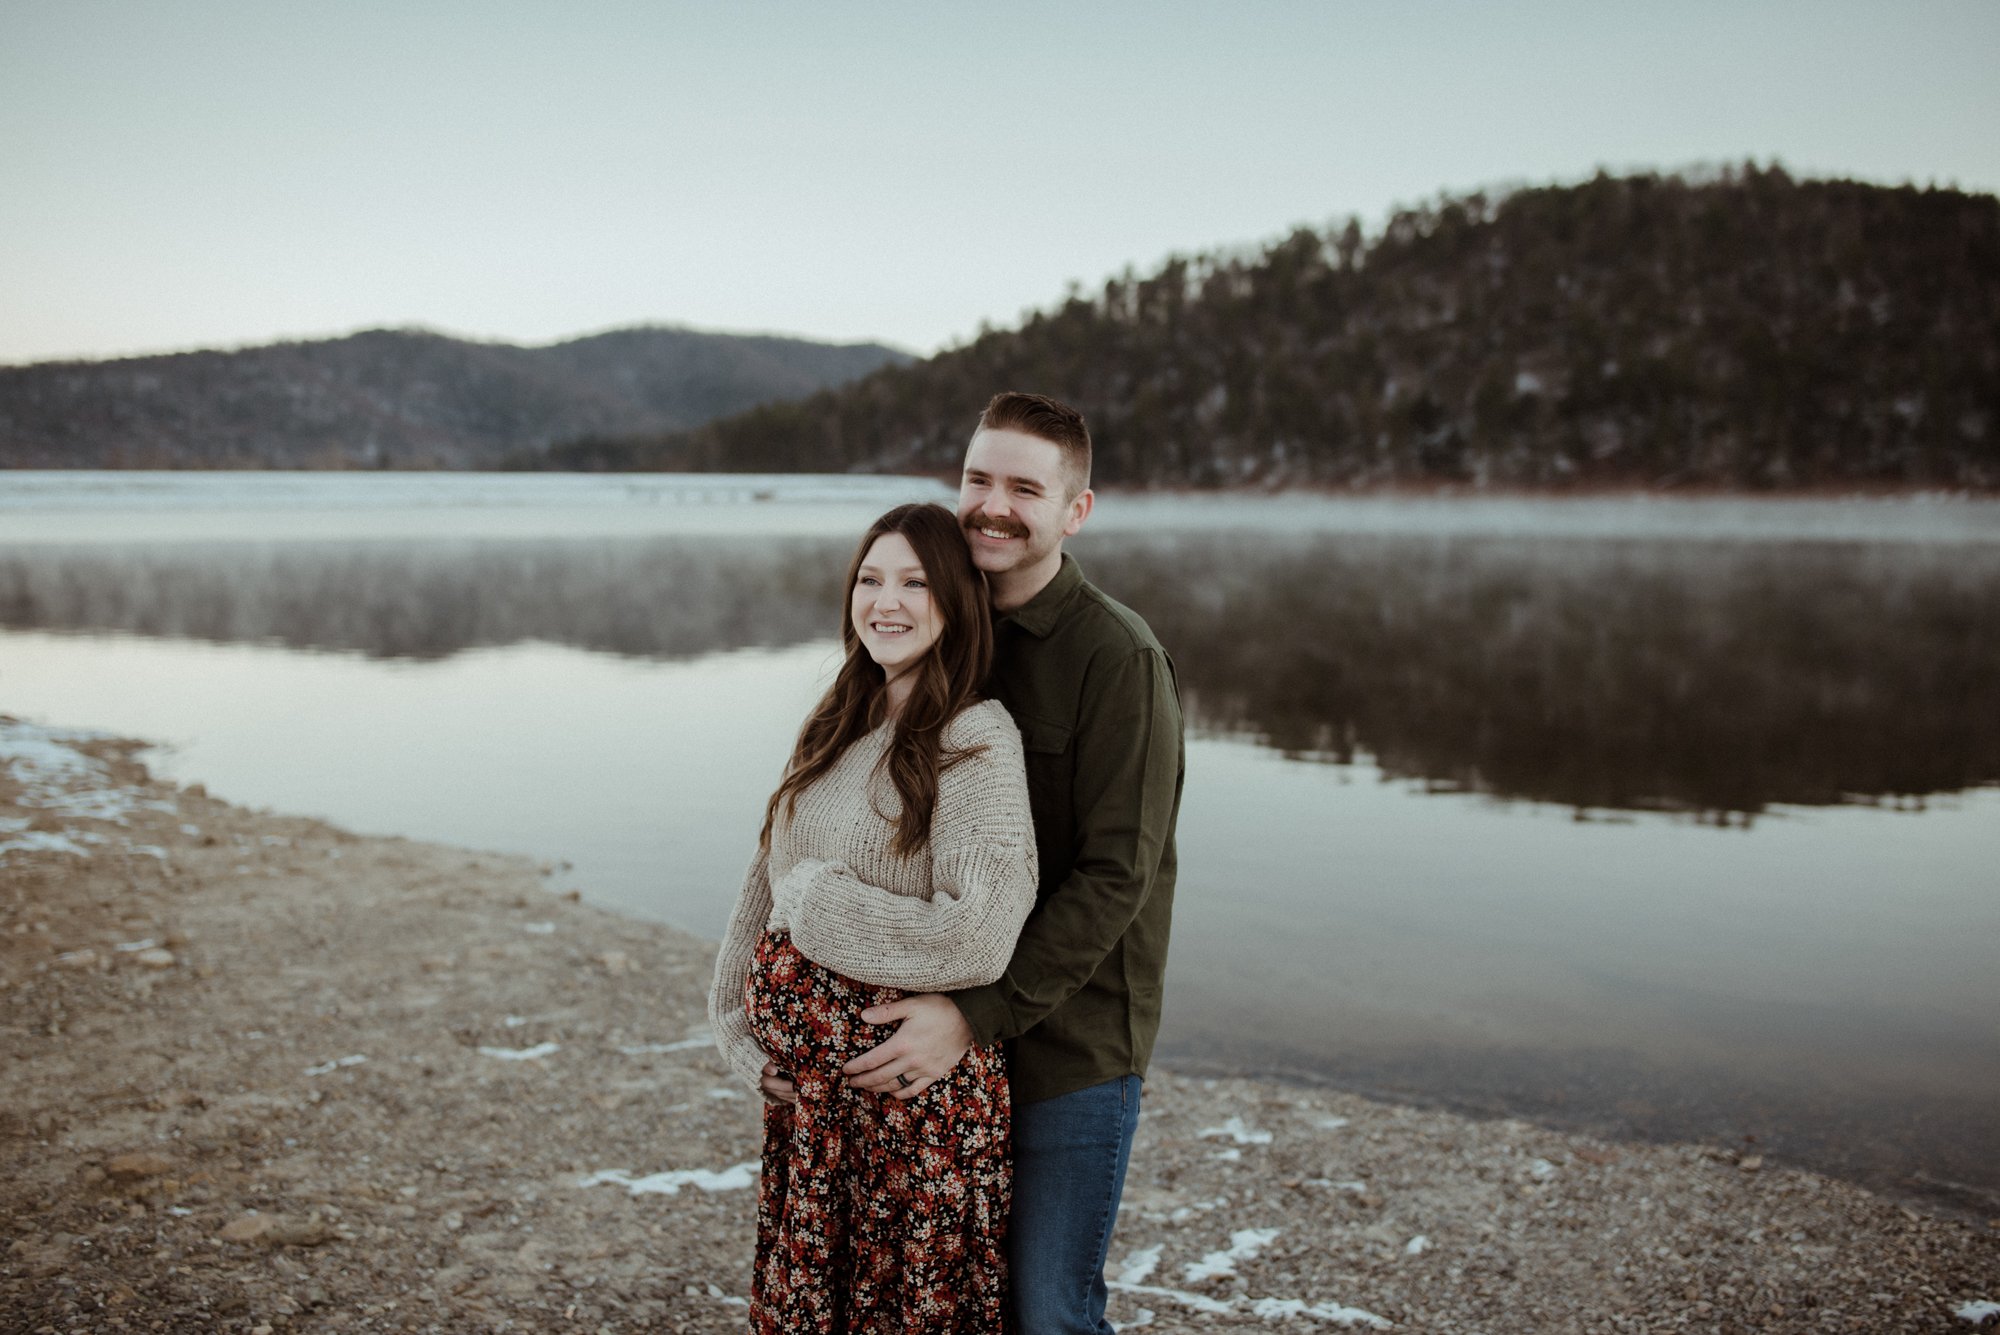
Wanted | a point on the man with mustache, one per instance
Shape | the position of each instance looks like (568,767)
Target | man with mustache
(1095,698)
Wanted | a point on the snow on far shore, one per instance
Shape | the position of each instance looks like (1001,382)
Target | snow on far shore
(93,505)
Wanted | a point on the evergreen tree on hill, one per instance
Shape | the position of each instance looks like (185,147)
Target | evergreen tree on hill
(1746,330)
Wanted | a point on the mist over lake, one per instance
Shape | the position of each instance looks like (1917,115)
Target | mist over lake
(1670,818)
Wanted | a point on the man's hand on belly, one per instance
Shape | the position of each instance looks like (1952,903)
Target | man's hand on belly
(930,1037)
(777,1085)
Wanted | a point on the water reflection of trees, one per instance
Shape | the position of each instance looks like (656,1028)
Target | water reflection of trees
(654,598)
(1713,677)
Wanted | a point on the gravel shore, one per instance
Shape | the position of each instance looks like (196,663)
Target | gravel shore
(263,1075)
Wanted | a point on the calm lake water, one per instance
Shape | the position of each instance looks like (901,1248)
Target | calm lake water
(1675,819)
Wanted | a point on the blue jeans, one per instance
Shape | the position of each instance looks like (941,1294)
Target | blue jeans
(1069,1170)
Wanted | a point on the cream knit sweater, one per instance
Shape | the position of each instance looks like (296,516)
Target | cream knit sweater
(944,919)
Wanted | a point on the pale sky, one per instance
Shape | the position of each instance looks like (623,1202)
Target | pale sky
(182,173)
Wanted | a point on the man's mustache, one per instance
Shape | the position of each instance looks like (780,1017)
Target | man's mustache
(1013,528)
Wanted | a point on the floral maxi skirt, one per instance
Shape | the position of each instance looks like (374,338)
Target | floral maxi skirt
(874,1214)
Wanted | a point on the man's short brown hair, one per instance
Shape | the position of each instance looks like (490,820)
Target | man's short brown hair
(1044,418)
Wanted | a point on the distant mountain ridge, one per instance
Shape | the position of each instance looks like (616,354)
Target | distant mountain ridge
(1740,330)
(399,398)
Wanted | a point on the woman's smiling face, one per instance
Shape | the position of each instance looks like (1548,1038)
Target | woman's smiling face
(890,605)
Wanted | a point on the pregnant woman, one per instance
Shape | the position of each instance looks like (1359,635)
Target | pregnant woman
(897,855)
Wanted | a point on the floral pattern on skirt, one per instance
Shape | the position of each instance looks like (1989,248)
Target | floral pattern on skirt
(874,1214)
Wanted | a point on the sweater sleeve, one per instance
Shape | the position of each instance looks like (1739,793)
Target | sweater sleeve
(726,1016)
(983,878)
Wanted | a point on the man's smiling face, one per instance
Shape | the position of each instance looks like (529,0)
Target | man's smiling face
(1015,508)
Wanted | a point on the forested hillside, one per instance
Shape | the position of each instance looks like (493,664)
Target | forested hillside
(1743,329)
(397,398)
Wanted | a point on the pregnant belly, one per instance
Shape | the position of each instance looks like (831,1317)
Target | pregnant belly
(806,1016)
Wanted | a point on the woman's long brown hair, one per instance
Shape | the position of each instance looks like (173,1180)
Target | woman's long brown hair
(947,679)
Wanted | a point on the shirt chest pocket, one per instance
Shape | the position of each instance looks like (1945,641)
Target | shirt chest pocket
(1046,746)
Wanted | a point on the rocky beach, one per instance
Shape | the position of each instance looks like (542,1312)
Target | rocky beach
(263,1075)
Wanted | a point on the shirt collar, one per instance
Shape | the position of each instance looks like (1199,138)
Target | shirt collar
(1038,616)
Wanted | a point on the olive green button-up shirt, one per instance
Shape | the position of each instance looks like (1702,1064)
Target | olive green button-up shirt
(1096,700)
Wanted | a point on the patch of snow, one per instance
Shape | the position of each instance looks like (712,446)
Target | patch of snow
(1277,1309)
(335,1064)
(12,824)
(697,1040)
(1139,1266)
(1417,1246)
(1541,1170)
(539,928)
(1244,1244)
(736,1177)
(1976,1312)
(521,1054)
(725,1093)
(1236,1131)
(43,841)
(1199,1302)
(1143,1317)
(514,1021)
(1269,1309)
(1187,1212)
(1331,1123)
(43,760)
(1230,1155)
(144,943)
(704,1039)
(191,831)
(1351,1185)
(105,804)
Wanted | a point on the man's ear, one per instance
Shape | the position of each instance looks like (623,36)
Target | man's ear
(1079,510)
